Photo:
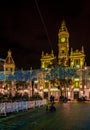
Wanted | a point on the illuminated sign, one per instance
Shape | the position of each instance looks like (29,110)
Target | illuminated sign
(76,89)
(76,79)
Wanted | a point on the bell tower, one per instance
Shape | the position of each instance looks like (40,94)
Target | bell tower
(63,45)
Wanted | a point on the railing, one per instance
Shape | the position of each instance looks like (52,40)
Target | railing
(19,106)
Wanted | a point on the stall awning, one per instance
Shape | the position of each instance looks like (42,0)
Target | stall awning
(52,89)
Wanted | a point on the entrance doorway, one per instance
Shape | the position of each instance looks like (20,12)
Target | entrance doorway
(45,94)
(76,95)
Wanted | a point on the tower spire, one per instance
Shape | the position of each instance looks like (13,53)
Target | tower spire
(63,26)
(9,53)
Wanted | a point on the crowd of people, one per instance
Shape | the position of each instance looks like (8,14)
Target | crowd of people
(63,99)
(50,103)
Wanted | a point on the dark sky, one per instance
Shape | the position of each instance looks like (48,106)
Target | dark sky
(27,29)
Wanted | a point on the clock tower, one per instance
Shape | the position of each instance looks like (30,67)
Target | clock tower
(63,45)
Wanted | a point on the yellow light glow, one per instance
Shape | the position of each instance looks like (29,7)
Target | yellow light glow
(85,86)
(76,89)
(80,86)
(63,39)
(76,79)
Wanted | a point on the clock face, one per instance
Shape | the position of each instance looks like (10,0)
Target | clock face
(63,39)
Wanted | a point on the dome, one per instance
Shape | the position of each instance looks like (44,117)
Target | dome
(9,59)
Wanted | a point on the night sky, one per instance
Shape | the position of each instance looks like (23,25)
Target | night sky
(29,27)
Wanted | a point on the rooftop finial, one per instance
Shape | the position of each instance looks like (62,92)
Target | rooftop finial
(42,53)
(9,53)
(82,49)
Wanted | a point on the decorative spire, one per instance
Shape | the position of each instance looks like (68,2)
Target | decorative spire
(52,54)
(63,26)
(42,53)
(82,49)
(9,53)
(52,51)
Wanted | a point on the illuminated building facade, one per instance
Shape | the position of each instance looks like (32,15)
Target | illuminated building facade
(77,58)
(65,75)
(65,57)
(69,59)
(47,60)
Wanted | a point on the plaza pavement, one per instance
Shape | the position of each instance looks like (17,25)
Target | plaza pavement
(68,116)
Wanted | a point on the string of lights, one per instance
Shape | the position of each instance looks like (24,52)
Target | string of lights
(27,75)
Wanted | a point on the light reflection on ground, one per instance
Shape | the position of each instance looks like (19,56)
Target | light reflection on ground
(68,116)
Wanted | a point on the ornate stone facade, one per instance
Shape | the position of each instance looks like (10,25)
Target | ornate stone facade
(74,58)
